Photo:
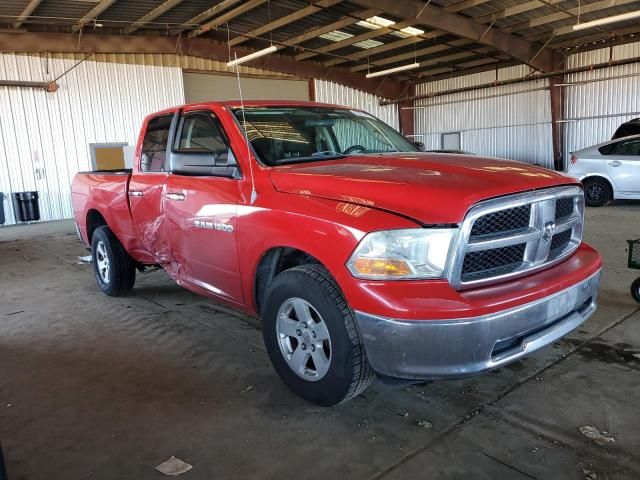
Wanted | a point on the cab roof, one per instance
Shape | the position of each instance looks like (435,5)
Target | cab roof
(253,103)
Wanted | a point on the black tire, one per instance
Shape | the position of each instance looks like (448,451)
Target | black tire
(349,372)
(3,468)
(122,270)
(597,192)
(635,290)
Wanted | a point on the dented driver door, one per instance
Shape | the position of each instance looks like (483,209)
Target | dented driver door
(200,204)
(147,186)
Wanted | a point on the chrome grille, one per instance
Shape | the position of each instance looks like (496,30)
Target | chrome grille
(502,221)
(517,234)
(564,207)
(496,261)
(559,242)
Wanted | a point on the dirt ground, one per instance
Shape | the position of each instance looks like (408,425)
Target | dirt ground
(103,388)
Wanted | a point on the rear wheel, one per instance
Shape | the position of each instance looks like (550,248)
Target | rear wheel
(597,192)
(311,337)
(635,290)
(114,269)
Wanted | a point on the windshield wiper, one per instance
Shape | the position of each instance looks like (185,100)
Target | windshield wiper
(326,155)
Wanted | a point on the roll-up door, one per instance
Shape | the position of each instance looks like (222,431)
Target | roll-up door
(201,87)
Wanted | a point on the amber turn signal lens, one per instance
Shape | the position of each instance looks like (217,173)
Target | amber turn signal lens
(381,267)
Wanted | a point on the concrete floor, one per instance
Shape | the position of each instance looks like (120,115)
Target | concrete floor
(95,387)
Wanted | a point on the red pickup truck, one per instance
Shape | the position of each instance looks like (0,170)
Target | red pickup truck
(361,255)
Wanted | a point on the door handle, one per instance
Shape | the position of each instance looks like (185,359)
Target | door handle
(175,196)
(615,163)
(136,193)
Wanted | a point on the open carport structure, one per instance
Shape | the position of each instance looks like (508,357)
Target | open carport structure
(166,382)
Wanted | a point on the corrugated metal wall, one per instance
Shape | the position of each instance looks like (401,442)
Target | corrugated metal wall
(330,92)
(44,137)
(512,121)
(594,110)
(515,122)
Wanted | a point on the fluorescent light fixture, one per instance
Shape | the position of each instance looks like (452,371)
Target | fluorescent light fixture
(370,26)
(251,56)
(393,70)
(605,21)
(366,44)
(408,32)
(380,21)
(374,23)
(336,36)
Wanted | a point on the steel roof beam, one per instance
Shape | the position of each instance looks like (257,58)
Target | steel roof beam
(225,17)
(198,47)
(152,15)
(464,5)
(355,39)
(417,54)
(315,7)
(509,11)
(28,10)
(456,7)
(201,17)
(554,17)
(93,14)
(436,17)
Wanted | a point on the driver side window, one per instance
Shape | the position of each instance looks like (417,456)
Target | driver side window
(201,133)
(201,147)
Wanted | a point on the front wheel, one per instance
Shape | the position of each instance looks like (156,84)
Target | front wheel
(114,269)
(311,337)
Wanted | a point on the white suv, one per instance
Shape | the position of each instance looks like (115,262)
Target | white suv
(610,170)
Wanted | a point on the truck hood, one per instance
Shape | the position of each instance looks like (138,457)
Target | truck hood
(429,188)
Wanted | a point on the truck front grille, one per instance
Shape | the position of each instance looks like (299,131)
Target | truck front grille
(564,207)
(517,234)
(496,261)
(559,243)
(508,220)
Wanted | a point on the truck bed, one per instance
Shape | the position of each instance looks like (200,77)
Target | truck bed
(91,192)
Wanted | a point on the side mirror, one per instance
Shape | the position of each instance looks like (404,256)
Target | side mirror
(419,145)
(202,165)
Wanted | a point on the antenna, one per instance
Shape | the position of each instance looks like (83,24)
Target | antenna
(254,194)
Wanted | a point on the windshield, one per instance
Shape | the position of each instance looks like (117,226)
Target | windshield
(282,135)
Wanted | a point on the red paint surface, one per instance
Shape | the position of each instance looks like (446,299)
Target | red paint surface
(323,208)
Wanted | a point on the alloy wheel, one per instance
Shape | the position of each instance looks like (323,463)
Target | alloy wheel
(304,339)
(102,261)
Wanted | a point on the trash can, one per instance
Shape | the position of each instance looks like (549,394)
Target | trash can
(26,206)
(2,219)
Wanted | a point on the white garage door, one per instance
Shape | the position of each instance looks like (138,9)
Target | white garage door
(202,87)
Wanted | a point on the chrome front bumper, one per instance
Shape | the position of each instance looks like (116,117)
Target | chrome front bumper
(432,349)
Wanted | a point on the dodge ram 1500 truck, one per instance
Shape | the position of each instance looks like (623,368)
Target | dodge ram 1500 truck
(361,255)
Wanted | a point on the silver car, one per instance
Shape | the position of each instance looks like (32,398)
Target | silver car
(608,171)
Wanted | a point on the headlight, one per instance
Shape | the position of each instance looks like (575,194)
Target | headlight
(402,254)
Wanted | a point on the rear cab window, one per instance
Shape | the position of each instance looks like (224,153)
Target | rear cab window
(153,157)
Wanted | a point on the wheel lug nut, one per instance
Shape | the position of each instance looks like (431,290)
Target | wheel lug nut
(313,334)
(303,346)
(298,332)
(313,347)
(305,325)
